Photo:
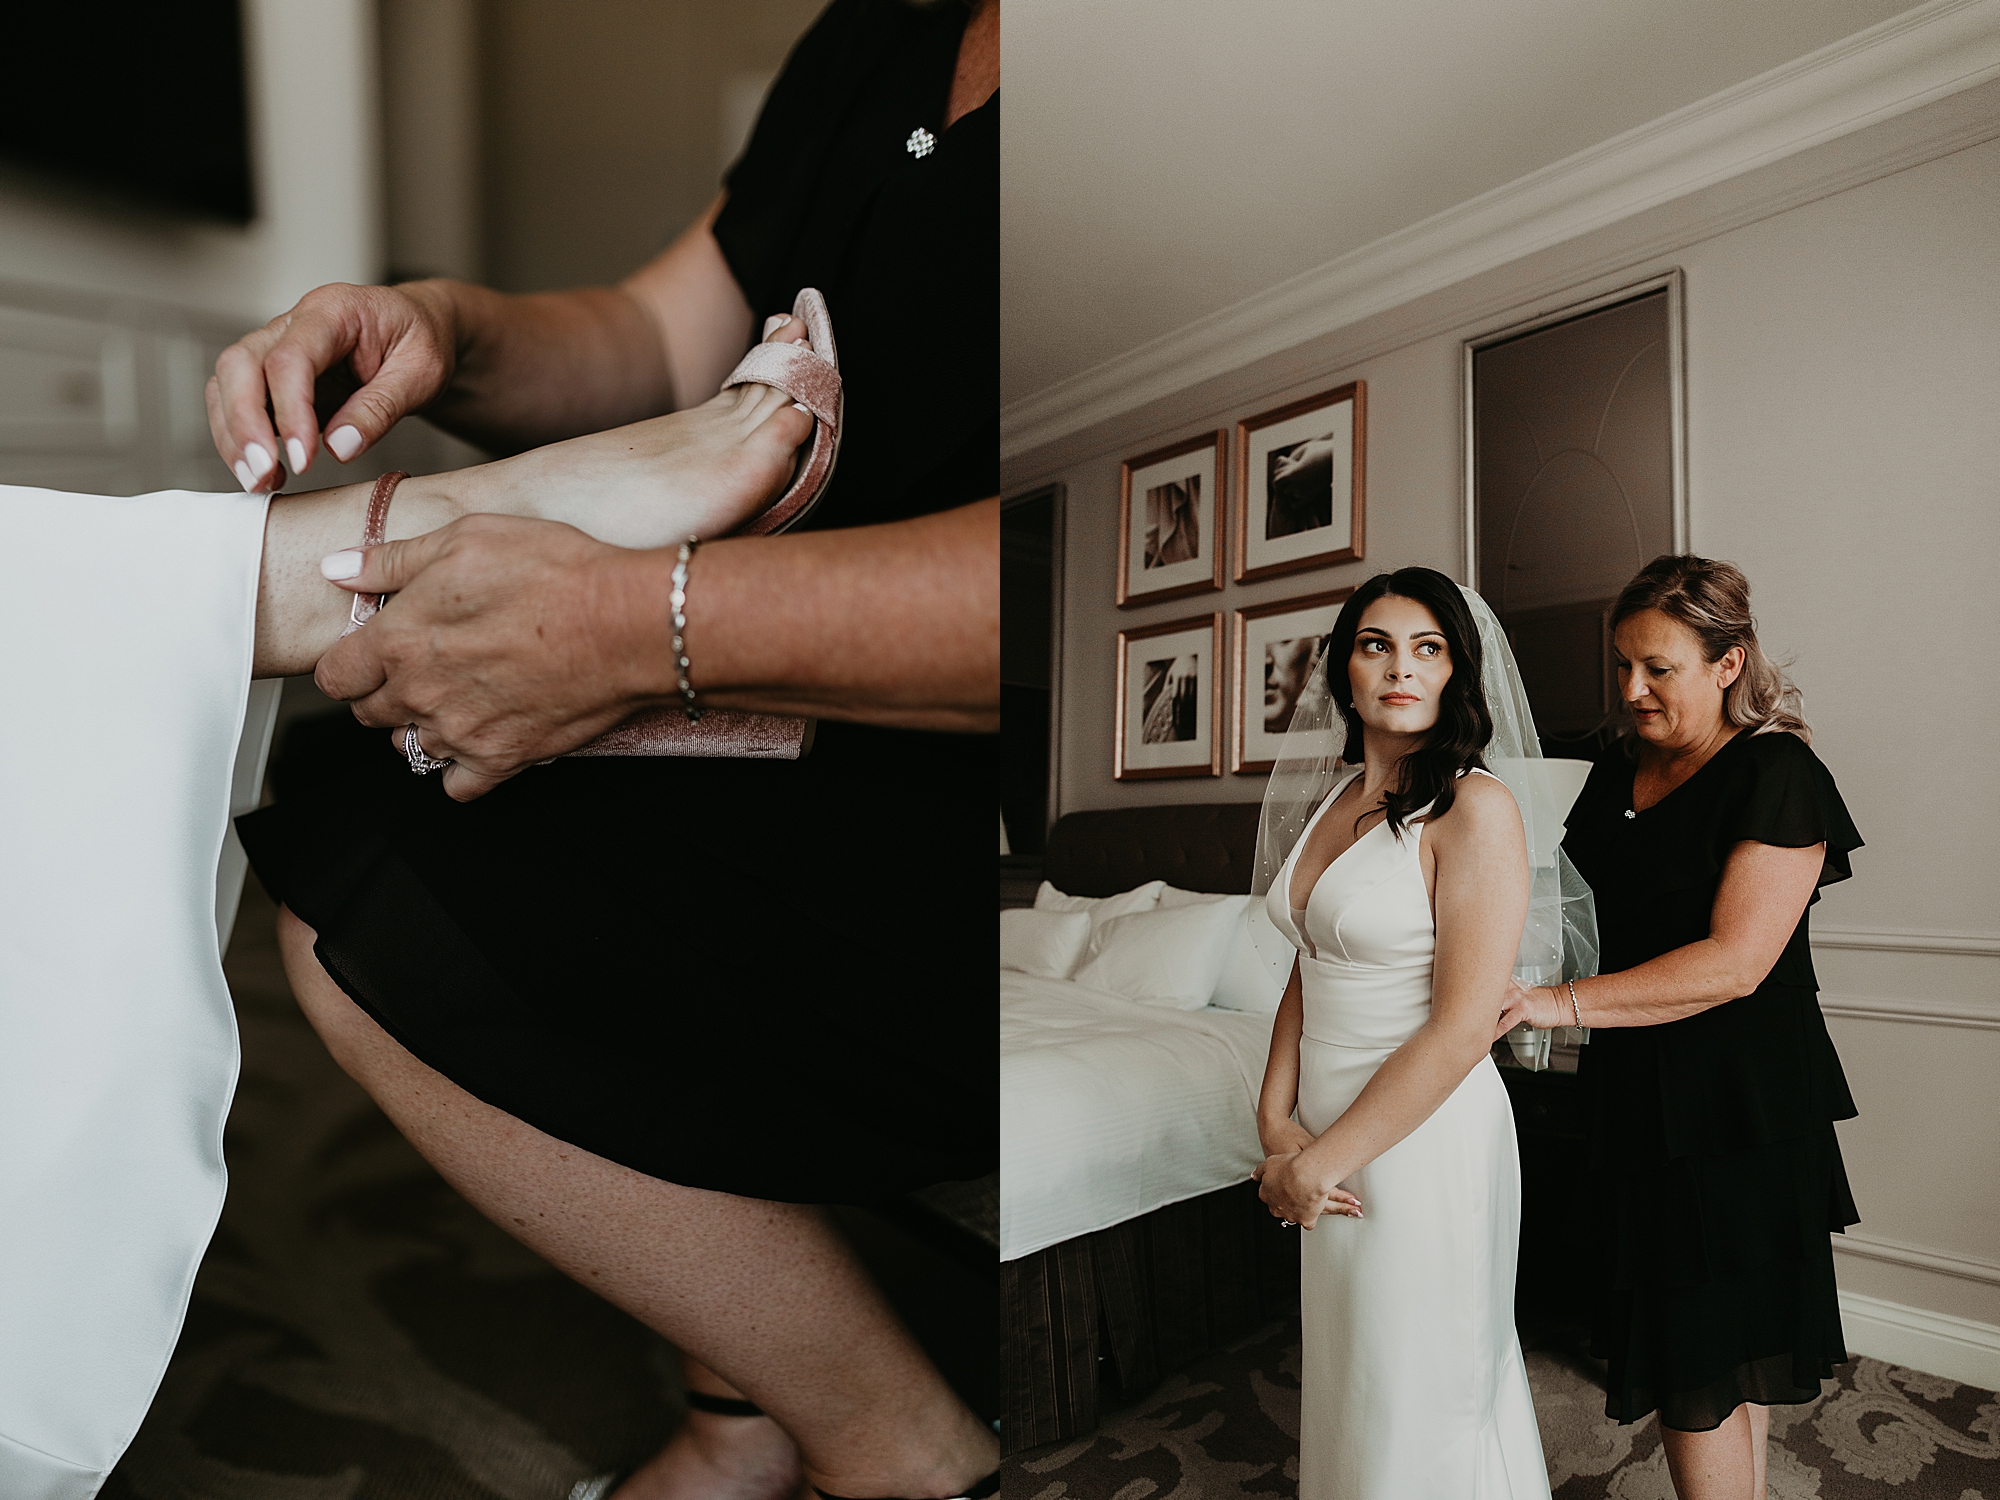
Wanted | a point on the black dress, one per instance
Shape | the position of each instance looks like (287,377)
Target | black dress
(1715,1175)
(768,978)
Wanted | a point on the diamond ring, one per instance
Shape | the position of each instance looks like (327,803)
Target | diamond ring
(420,763)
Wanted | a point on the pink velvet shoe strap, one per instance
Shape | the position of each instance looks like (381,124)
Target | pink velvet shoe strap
(795,370)
(374,531)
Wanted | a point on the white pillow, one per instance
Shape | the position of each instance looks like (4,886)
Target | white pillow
(1174,897)
(1047,943)
(1101,908)
(1171,958)
(1258,964)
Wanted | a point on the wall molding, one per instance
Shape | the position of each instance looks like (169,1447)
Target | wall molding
(1973,1015)
(1908,940)
(1936,1343)
(1921,56)
(1896,1253)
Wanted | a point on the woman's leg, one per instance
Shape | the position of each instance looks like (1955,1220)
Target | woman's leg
(767,1295)
(716,1456)
(703,471)
(1724,1463)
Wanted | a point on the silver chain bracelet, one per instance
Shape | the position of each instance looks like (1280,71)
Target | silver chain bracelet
(1573,1007)
(678,599)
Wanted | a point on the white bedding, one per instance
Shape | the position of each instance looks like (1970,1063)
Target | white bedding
(1110,1109)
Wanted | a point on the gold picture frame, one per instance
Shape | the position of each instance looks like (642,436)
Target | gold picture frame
(1169,704)
(1253,744)
(1301,484)
(1170,543)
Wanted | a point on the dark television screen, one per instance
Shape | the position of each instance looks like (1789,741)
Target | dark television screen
(144,98)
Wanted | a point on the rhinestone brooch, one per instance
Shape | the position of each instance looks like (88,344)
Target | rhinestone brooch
(921,143)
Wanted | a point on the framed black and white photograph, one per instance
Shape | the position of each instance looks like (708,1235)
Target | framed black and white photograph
(1169,700)
(1275,645)
(1300,484)
(1170,514)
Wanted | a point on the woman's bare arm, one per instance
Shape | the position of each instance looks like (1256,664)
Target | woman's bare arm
(1279,1097)
(1764,891)
(1481,904)
(511,641)
(507,373)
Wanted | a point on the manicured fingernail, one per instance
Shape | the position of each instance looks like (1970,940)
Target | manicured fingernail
(296,452)
(800,406)
(773,323)
(258,457)
(243,475)
(345,442)
(339,565)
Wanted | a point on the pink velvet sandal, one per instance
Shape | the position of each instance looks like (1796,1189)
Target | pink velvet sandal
(808,373)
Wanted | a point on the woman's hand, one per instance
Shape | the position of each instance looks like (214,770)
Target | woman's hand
(1543,1005)
(1283,1137)
(354,358)
(1295,1192)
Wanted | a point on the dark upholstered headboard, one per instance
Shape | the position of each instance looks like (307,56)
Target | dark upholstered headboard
(1208,846)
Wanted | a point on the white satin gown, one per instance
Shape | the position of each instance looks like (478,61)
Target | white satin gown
(1413,1383)
(132,733)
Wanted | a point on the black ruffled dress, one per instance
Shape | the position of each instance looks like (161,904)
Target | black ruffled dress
(770,978)
(1714,1172)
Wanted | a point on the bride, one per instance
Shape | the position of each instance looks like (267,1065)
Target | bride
(1400,869)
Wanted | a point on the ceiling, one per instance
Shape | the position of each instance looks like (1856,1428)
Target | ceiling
(1163,159)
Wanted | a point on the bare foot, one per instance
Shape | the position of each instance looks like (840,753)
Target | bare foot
(720,1458)
(703,471)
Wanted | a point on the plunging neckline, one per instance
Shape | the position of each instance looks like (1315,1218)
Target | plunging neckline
(1291,875)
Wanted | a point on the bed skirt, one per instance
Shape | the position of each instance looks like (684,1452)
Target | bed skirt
(1102,1318)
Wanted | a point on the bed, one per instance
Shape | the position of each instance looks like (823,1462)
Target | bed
(1131,1239)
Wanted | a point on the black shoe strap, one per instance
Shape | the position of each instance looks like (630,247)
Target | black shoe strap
(722,1406)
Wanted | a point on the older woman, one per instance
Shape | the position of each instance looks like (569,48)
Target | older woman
(1714,1085)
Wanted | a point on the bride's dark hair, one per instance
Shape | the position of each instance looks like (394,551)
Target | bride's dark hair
(1429,773)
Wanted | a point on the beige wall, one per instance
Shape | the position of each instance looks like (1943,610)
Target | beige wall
(1843,360)
(606,127)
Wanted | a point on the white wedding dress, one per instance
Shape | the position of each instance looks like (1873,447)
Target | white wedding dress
(132,734)
(1413,1384)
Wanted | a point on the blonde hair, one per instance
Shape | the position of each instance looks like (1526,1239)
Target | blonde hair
(1713,600)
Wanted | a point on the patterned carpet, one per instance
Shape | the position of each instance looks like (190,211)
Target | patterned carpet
(359,1333)
(1227,1428)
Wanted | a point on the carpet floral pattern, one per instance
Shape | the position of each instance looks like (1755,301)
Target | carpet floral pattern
(1227,1428)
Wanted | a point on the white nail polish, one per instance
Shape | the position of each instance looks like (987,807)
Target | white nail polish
(296,452)
(801,406)
(339,565)
(345,442)
(773,323)
(243,476)
(258,457)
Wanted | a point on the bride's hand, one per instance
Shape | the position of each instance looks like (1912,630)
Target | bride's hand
(1283,1137)
(1294,1192)
(1546,1006)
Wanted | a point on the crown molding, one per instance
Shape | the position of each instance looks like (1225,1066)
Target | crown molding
(1921,56)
